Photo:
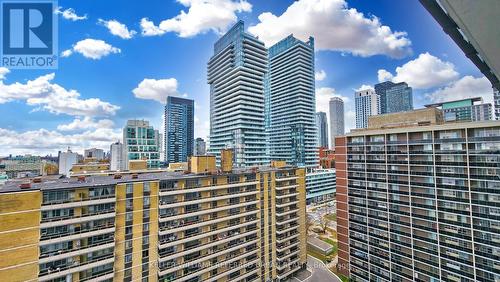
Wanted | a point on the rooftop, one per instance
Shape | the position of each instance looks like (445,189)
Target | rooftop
(475,99)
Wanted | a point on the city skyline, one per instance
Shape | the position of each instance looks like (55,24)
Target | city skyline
(93,114)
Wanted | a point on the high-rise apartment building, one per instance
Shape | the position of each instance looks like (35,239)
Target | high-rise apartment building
(142,142)
(419,203)
(118,157)
(290,94)
(200,147)
(179,129)
(236,77)
(496,99)
(322,126)
(245,225)
(367,104)
(93,153)
(336,107)
(465,109)
(394,97)
(320,185)
(66,161)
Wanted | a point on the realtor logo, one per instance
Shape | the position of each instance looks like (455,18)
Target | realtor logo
(29,35)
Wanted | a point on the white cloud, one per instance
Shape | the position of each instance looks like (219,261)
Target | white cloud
(156,89)
(54,98)
(201,128)
(118,29)
(3,72)
(320,75)
(43,141)
(384,75)
(364,87)
(91,48)
(85,124)
(466,87)
(70,14)
(426,71)
(201,17)
(334,26)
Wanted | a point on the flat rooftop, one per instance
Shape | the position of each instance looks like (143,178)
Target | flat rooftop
(99,179)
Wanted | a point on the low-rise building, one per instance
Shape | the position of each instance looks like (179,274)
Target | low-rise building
(320,185)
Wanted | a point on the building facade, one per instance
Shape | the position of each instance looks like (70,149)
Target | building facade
(118,158)
(179,129)
(236,78)
(367,104)
(420,203)
(200,147)
(94,153)
(496,98)
(22,166)
(322,126)
(470,109)
(394,97)
(157,226)
(320,186)
(66,161)
(337,125)
(141,142)
(290,93)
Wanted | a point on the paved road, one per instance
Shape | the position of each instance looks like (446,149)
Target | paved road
(319,271)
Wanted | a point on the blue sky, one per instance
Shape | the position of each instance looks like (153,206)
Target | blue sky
(121,59)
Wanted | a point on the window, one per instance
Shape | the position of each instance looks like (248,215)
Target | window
(128,244)
(128,258)
(147,189)
(145,253)
(145,227)
(129,203)
(128,230)
(128,272)
(128,216)
(145,240)
(146,201)
(130,188)
(145,214)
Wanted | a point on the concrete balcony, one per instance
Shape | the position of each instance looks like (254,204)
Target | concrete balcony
(287,221)
(250,273)
(204,223)
(288,255)
(102,277)
(207,246)
(207,199)
(287,229)
(177,191)
(203,235)
(287,238)
(205,211)
(77,268)
(76,220)
(78,236)
(287,178)
(287,247)
(221,275)
(289,271)
(286,195)
(287,187)
(290,202)
(287,212)
(77,204)
(205,270)
(76,252)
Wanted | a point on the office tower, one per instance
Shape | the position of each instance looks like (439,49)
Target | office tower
(496,98)
(142,142)
(179,129)
(394,97)
(479,40)
(320,186)
(94,153)
(236,77)
(336,107)
(367,104)
(66,161)
(118,157)
(290,94)
(465,109)
(199,147)
(419,203)
(322,125)
(247,225)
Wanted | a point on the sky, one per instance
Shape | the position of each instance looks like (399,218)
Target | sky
(120,60)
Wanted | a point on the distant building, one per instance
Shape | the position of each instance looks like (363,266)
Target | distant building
(84,168)
(66,161)
(326,158)
(118,156)
(199,147)
(179,129)
(236,77)
(94,153)
(22,166)
(394,97)
(290,102)
(470,109)
(337,123)
(320,185)
(322,125)
(142,142)
(367,104)
(496,97)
